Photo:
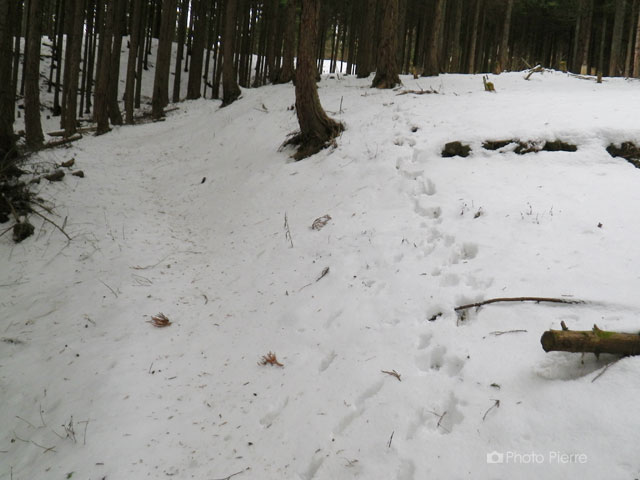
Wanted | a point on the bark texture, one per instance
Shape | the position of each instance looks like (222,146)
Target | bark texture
(286,74)
(7,137)
(69,120)
(131,61)
(365,49)
(230,89)
(160,97)
(387,64)
(316,128)
(595,341)
(32,125)
(432,65)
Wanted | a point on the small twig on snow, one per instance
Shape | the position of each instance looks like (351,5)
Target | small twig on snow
(498,333)
(54,224)
(606,367)
(234,474)
(393,373)
(112,290)
(519,299)
(287,231)
(496,404)
(323,274)
(390,439)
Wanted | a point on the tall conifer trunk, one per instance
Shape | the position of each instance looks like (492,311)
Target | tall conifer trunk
(316,128)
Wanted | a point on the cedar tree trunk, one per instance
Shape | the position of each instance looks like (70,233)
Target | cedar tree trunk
(316,128)
(432,65)
(367,28)
(7,137)
(131,61)
(33,127)
(160,97)
(286,74)
(69,120)
(230,89)
(387,64)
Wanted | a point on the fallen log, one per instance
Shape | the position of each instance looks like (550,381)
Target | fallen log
(595,341)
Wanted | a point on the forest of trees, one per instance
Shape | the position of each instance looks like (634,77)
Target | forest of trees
(77,45)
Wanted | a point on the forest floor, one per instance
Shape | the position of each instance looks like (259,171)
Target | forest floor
(202,218)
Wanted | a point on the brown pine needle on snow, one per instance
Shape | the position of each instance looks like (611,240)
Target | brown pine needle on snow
(270,359)
(160,320)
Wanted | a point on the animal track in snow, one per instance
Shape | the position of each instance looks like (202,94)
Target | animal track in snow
(327,361)
(424,341)
(268,419)
(360,406)
(314,465)
(465,251)
(438,360)
(425,207)
(407,470)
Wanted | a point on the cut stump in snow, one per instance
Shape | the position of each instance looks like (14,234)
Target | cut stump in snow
(595,341)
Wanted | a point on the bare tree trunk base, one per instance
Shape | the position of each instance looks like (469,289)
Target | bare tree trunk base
(595,341)
(310,144)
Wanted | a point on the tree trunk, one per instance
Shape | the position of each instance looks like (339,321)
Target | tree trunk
(100,101)
(503,58)
(316,128)
(7,97)
(134,40)
(33,127)
(160,97)
(197,50)
(636,56)
(230,89)
(456,49)
(432,65)
(632,24)
(595,341)
(286,74)
(69,119)
(182,28)
(387,64)
(615,65)
(585,37)
(474,38)
(365,37)
(114,77)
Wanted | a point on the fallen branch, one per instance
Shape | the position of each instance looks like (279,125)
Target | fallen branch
(58,143)
(536,69)
(61,133)
(53,223)
(595,341)
(518,299)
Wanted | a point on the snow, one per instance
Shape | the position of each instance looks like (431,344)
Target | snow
(187,217)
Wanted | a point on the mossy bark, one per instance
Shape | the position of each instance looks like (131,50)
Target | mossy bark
(595,341)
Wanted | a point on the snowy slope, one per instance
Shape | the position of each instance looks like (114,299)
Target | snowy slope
(187,217)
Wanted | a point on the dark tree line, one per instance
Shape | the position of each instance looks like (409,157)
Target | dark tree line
(74,48)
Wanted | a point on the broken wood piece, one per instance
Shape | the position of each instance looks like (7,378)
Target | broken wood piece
(536,69)
(595,341)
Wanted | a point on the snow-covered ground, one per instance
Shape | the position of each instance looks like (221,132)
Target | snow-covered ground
(202,218)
